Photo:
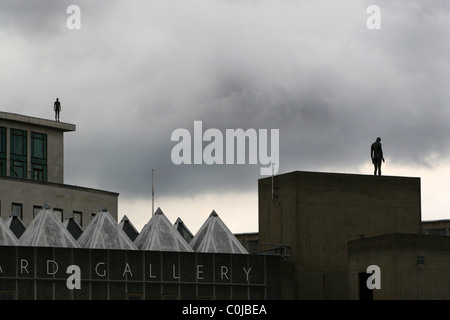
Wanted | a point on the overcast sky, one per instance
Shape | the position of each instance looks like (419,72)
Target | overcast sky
(138,70)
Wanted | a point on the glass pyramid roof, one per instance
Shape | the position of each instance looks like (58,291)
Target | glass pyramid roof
(7,237)
(214,236)
(103,232)
(160,235)
(47,231)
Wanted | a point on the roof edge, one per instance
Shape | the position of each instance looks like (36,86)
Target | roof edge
(61,126)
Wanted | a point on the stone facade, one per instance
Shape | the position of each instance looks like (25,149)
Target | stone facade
(316,214)
(41,273)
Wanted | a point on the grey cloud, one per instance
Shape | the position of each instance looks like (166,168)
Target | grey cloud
(128,82)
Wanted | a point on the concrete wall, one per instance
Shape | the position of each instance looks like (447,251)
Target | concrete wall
(318,213)
(402,277)
(40,273)
(68,198)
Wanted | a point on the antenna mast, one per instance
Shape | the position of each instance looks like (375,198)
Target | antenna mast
(153,195)
(272,179)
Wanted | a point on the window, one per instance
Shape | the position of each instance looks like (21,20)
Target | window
(78,217)
(36,210)
(2,151)
(38,145)
(420,260)
(59,214)
(38,156)
(18,169)
(18,153)
(135,296)
(17,208)
(439,231)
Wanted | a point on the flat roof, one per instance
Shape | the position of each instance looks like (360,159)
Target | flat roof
(436,221)
(59,185)
(62,126)
(340,175)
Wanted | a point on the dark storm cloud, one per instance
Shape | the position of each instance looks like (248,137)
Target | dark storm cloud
(29,17)
(137,71)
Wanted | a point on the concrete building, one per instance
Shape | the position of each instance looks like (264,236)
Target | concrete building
(411,267)
(32,172)
(317,214)
(250,241)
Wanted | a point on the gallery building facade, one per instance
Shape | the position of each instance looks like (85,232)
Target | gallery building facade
(64,242)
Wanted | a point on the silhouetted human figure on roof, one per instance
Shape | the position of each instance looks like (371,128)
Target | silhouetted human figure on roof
(57,108)
(376,153)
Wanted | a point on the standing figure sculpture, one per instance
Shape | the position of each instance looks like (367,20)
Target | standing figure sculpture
(376,153)
(57,108)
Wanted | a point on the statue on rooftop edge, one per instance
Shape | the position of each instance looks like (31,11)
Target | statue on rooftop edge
(57,108)
(376,153)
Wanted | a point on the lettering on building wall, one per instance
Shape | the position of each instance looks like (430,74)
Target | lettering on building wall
(23,266)
(100,269)
(52,267)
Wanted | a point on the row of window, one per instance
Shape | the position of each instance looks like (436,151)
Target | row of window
(77,215)
(18,154)
(437,231)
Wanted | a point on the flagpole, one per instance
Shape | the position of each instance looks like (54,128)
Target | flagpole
(272,178)
(153,195)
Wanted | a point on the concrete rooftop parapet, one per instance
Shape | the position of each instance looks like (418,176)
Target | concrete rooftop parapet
(62,126)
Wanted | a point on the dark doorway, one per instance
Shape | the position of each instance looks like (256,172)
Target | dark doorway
(364,292)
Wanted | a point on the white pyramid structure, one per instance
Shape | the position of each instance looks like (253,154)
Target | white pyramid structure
(47,231)
(103,232)
(215,237)
(7,237)
(160,235)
